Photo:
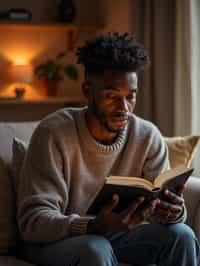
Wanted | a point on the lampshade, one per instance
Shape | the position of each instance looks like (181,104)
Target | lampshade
(20,73)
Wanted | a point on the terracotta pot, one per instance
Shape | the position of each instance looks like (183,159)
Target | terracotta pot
(51,87)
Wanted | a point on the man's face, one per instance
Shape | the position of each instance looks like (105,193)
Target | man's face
(111,98)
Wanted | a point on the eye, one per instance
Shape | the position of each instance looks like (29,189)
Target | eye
(131,97)
(111,96)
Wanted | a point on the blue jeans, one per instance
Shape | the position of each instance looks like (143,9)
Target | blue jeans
(166,245)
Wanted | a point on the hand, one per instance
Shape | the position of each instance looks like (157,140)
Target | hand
(108,221)
(170,208)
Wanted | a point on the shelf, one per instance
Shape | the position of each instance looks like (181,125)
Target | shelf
(33,110)
(66,100)
(49,27)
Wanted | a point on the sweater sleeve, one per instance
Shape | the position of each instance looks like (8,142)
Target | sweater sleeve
(43,193)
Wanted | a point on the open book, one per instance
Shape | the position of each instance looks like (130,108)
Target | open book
(128,188)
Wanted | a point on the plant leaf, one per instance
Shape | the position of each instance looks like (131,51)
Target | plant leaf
(71,71)
(60,55)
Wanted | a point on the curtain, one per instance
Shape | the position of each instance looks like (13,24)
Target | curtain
(182,81)
(153,25)
(195,73)
(195,63)
(169,91)
(187,75)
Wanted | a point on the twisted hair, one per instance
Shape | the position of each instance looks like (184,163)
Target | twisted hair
(112,51)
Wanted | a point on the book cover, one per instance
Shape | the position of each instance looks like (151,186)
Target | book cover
(129,188)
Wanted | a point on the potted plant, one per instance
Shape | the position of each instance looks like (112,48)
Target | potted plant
(53,70)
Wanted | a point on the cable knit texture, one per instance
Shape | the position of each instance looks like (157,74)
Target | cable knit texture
(64,167)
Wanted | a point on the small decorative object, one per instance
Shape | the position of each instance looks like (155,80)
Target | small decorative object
(19,93)
(16,14)
(66,10)
(53,70)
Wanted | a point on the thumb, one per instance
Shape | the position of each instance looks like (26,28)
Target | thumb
(112,204)
(181,189)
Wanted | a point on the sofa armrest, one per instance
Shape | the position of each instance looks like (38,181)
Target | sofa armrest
(192,201)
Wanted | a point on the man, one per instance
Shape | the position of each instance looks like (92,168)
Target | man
(70,154)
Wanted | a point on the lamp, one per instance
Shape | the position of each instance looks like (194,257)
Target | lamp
(21,74)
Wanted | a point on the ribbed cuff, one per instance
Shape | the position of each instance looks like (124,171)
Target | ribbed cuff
(79,225)
(183,216)
(181,219)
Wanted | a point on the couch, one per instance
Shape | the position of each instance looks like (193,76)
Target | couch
(8,228)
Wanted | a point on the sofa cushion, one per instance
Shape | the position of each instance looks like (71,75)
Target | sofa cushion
(12,261)
(19,148)
(8,227)
(21,130)
(182,150)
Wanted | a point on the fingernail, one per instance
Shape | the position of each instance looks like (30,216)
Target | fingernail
(157,201)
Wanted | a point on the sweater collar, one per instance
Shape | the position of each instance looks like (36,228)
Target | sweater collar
(92,143)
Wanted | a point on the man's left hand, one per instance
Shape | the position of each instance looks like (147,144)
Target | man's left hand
(170,208)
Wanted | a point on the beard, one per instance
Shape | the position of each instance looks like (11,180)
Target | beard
(108,119)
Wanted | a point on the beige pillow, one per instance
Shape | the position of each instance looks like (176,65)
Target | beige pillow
(8,185)
(8,225)
(19,148)
(182,150)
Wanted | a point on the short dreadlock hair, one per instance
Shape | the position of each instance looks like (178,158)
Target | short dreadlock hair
(112,51)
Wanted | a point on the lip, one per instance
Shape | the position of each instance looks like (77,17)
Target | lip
(120,121)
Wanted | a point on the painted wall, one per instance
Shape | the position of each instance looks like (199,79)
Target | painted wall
(36,46)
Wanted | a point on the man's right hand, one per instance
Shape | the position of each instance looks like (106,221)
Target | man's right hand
(108,221)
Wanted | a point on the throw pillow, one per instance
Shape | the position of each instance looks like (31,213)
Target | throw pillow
(8,225)
(182,150)
(19,148)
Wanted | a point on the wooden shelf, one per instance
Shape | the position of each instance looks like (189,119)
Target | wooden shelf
(50,27)
(45,101)
(32,110)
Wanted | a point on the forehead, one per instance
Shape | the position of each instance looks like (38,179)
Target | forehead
(116,78)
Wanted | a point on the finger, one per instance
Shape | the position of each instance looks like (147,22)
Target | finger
(168,208)
(166,215)
(126,214)
(141,215)
(145,212)
(174,198)
(112,204)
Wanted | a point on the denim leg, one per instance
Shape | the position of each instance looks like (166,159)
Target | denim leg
(88,250)
(163,245)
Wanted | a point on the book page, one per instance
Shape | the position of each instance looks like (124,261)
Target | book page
(130,181)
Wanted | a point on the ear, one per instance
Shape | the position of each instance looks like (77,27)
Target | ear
(86,88)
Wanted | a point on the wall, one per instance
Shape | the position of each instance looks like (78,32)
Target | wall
(117,15)
(36,46)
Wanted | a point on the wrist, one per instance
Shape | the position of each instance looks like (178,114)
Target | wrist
(91,227)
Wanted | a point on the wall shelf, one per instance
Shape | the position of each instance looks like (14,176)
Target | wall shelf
(49,100)
(30,110)
(50,27)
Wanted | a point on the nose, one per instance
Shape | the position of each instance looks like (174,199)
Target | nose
(123,105)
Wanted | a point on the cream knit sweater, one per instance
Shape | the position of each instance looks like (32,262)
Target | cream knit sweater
(64,166)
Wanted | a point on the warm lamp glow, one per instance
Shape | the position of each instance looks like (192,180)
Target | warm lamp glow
(20,56)
(20,73)
(19,61)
